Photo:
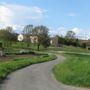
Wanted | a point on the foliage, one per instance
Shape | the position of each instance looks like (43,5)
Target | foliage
(7,37)
(74,71)
(61,40)
(9,29)
(1,45)
(10,66)
(70,35)
(70,39)
(27,31)
(42,33)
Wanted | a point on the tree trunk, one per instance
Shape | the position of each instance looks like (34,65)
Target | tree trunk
(27,44)
(38,47)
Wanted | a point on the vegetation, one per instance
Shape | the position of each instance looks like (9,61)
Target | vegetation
(71,39)
(74,71)
(10,66)
(74,49)
(27,31)
(43,38)
(7,37)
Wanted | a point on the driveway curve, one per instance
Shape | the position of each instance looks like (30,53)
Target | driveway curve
(36,77)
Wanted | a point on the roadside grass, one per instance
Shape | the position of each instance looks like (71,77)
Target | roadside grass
(74,71)
(74,49)
(10,66)
(68,49)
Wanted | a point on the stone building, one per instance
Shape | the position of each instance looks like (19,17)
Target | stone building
(34,39)
(87,42)
(54,41)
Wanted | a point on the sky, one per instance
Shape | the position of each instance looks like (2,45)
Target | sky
(59,16)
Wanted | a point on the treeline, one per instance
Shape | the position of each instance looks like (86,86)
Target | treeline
(71,39)
(8,36)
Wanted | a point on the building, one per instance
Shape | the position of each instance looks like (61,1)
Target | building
(87,43)
(54,41)
(34,39)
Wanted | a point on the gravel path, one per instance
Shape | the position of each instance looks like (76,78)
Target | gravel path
(36,77)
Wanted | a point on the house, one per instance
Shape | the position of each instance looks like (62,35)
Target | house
(87,43)
(88,47)
(54,41)
(34,39)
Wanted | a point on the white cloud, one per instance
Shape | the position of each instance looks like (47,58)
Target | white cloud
(19,27)
(16,15)
(80,33)
(58,31)
(76,30)
(71,14)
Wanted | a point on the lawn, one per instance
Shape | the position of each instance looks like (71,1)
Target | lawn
(74,49)
(75,70)
(69,49)
(10,66)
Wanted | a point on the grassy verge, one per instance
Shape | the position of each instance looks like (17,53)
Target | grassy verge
(70,49)
(74,71)
(74,49)
(10,66)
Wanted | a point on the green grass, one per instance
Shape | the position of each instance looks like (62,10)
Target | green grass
(10,66)
(74,71)
(74,49)
(69,49)
(24,45)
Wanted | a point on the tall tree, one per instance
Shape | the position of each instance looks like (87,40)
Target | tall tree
(27,31)
(9,29)
(70,37)
(42,33)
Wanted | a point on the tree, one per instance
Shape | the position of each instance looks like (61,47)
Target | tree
(61,39)
(70,37)
(7,37)
(9,29)
(27,31)
(1,45)
(42,33)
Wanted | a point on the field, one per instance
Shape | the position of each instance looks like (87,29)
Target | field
(69,49)
(75,70)
(74,49)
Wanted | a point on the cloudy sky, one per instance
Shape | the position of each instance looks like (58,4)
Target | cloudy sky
(59,15)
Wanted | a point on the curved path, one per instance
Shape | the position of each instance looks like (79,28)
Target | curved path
(36,77)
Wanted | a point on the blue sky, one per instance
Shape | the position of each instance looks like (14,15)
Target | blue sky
(59,15)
